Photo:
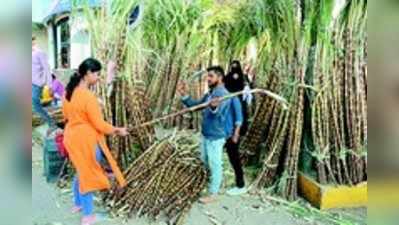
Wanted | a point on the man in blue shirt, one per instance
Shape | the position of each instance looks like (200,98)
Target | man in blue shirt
(213,127)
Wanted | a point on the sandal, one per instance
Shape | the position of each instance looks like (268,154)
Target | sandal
(76,209)
(90,220)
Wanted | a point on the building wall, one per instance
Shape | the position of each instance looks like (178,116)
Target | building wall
(39,10)
(51,46)
(80,41)
(80,48)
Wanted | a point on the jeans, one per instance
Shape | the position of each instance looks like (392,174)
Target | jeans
(85,201)
(234,158)
(37,106)
(211,155)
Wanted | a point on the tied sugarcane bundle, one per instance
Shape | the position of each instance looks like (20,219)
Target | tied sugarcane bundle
(339,109)
(36,120)
(326,84)
(262,120)
(278,144)
(165,180)
(138,111)
(56,114)
(278,98)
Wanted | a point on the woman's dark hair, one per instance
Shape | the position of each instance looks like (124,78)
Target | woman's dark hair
(88,65)
(237,69)
(232,83)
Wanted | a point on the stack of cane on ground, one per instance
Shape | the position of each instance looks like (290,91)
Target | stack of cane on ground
(56,114)
(165,180)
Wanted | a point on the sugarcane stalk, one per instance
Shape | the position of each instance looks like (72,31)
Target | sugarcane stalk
(206,104)
(266,177)
(264,115)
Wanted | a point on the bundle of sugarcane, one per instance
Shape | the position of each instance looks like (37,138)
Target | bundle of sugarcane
(336,88)
(123,93)
(283,139)
(36,120)
(355,89)
(130,105)
(177,54)
(261,122)
(339,110)
(281,130)
(191,120)
(56,114)
(138,111)
(166,179)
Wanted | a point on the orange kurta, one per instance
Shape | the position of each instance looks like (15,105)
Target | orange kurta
(85,129)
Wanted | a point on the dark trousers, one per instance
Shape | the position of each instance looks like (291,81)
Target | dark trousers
(234,158)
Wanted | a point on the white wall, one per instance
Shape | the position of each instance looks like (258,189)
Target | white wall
(40,8)
(51,46)
(80,48)
(80,41)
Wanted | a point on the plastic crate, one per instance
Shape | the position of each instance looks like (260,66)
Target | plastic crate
(52,161)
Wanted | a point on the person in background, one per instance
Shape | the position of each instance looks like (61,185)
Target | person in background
(213,127)
(237,126)
(249,75)
(233,124)
(234,82)
(58,90)
(41,76)
(250,79)
(84,139)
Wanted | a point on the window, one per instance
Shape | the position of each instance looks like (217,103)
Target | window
(63,46)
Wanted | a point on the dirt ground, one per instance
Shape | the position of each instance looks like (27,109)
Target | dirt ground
(51,207)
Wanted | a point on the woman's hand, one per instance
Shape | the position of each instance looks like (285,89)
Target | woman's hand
(121,131)
(235,138)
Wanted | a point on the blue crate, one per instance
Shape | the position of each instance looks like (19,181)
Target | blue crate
(52,160)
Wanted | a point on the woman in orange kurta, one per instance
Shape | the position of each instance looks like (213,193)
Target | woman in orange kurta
(84,138)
